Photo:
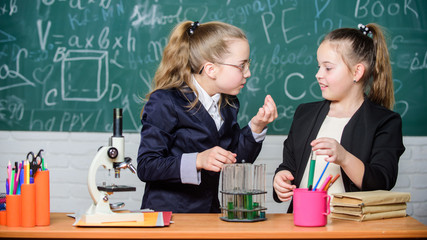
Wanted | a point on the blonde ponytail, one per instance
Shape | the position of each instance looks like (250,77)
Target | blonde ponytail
(174,69)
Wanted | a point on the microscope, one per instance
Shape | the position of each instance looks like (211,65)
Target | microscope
(110,157)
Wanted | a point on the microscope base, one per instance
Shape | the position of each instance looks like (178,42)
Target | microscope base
(101,213)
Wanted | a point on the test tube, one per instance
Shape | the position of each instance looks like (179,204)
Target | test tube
(260,187)
(256,190)
(226,178)
(227,187)
(239,175)
(248,191)
(259,177)
(248,181)
(256,212)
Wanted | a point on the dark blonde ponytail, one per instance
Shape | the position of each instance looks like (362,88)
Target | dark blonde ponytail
(381,90)
(174,69)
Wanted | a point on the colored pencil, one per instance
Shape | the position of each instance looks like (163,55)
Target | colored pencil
(332,182)
(320,178)
(326,182)
(312,167)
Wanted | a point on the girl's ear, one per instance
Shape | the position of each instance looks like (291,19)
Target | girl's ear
(210,70)
(359,70)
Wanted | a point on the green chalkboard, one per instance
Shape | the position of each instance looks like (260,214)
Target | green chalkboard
(65,64)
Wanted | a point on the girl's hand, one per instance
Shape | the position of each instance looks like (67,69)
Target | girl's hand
(266,114)
(336,153)
(214,159)
(282,185)
(328,146)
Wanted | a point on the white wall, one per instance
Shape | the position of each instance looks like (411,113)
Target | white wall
(69,155)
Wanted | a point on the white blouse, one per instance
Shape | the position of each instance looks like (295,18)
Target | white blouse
(332,127)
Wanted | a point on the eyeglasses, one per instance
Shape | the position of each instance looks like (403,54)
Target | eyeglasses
(244,67)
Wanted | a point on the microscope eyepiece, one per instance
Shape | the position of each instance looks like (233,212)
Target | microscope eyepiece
(118,122)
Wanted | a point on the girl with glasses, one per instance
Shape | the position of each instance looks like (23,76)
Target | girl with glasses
(189,123)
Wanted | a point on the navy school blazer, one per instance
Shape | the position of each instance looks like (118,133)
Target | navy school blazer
(170,129)
(373,134)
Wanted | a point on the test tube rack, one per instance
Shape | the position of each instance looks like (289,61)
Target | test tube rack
(243,193)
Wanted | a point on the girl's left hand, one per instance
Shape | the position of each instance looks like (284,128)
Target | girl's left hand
(328,146)
(266,114)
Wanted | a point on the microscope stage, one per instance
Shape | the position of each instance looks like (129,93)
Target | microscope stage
(116,188)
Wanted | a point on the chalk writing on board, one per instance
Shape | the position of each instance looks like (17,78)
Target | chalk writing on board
(365,8)
(12,77)
(78,89)
(64,65)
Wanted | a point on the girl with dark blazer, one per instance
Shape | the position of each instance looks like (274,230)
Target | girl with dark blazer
(189,123)
(354,128)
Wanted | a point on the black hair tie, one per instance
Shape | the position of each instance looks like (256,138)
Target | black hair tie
(193,27)
(364,29)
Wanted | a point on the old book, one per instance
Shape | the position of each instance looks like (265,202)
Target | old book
(369,216)
(367,198)
(369,209)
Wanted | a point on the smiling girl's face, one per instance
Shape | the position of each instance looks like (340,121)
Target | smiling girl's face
(334,76)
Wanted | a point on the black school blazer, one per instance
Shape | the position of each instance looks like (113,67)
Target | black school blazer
(170,129)
(373,134)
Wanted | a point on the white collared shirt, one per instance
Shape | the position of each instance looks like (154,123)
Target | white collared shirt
(188,170)
(209,103)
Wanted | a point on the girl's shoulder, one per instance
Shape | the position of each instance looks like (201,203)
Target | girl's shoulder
(163,92)
(161,98)
(172,98)
(377,111)
(172,93)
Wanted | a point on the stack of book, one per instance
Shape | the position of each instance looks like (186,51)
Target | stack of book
(369,205)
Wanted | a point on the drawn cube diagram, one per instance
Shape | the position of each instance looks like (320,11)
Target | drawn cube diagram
(84,75)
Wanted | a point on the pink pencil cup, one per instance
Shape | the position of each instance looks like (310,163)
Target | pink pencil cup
(311,208)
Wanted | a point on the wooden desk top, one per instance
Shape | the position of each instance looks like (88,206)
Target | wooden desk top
(209,226)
